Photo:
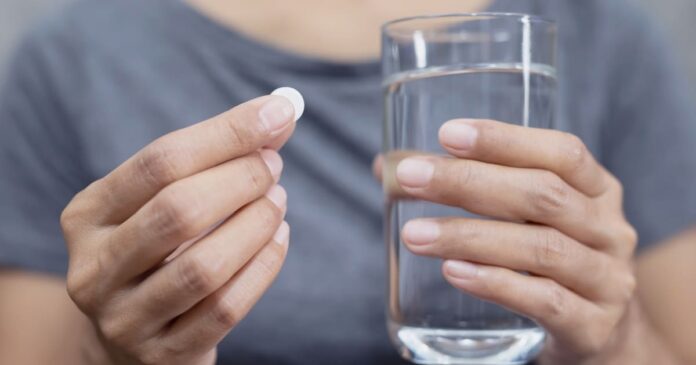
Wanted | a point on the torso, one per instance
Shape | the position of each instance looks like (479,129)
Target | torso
(341,30)
(168,66)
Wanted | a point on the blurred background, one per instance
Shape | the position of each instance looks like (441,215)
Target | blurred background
(676,16)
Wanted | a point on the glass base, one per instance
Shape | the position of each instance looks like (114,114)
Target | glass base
(466,347)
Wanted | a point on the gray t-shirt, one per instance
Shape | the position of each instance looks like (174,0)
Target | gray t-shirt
(98,81)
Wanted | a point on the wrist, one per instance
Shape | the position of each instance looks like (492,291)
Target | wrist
(635,342)
(92,349)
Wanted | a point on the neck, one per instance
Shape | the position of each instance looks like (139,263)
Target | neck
(340,30)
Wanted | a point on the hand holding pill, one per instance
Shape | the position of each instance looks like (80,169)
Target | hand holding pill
(122,231)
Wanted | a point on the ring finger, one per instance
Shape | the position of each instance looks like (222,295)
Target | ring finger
(206,266)
(537,249)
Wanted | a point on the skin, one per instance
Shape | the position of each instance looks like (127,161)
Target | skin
(666,275)
(141,293)
(559,217)
(152,301)
(342,30)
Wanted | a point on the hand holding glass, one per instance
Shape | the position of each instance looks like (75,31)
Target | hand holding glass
(438,68)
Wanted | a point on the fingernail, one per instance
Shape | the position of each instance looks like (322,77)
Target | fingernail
(273,162)
(460,269)
(295,98)
(282,235)
(276,114)
(278,196)
(458,135)
(420,232)
(415,172)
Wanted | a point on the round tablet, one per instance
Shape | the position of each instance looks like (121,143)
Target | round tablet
(295,98)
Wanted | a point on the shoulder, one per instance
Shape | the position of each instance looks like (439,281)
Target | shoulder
(602,21)
(91,42)
(617,36)
(86,28)
(62,59)
(601,33)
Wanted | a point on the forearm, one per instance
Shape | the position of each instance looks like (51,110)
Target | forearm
(634,342)
(40,325)
(666,274)
(88,350)
(661,324)
(638,343)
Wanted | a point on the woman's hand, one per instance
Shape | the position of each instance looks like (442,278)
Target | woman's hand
(560,218)
(153,296)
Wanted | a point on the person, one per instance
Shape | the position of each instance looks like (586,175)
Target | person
(108,122)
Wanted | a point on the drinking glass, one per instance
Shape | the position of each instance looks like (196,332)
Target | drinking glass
(495,66)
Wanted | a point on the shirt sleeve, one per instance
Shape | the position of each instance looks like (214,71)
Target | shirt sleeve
(650,138)
(39,158)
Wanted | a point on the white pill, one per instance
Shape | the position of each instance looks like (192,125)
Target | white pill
(295,98)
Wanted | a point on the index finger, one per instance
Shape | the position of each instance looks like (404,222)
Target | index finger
(184,152)
(516,146)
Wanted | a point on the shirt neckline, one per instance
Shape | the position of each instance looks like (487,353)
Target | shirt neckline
(259,52)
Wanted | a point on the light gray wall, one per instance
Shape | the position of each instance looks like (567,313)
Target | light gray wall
(676,15)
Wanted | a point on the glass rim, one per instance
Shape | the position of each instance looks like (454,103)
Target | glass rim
(536,19)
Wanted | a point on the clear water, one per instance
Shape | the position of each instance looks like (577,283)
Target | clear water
(430,322)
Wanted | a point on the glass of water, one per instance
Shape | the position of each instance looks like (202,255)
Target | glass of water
(436,68)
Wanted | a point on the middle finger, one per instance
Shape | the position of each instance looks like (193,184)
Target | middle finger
(185,209)
(509,193)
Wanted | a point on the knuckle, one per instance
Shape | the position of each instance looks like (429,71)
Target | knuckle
(463,172)
(630,236)
(226,313)
(595,338)
(236,128)
(549,195)
(67,217)
(616,185)
(175,214)
(154,355)
(599,268)
(575,153)
(73,214)
(469,234)
(273,218)
(631,284)
(116,331)
(556,302)
(79,287)
(163,353)
(78,292)
(109,257)
(196,276)
(628,285)
(269,264)
(268,216)
(259,179)
(155,162)
(551,250)
(623,238)
(81,209)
